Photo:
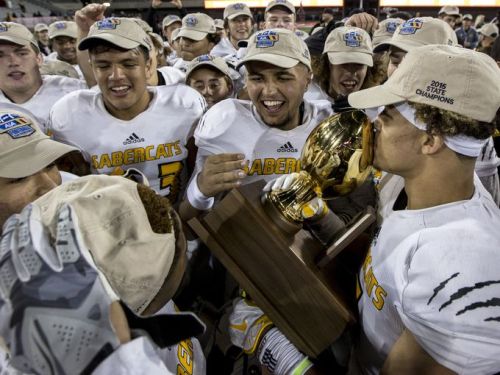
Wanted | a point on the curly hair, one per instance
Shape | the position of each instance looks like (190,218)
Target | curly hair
(322,75)
(447,123)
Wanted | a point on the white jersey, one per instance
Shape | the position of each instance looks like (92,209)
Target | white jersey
(187,356)
(172,75)
(435,272)
(53,88)
(234,126)
(154,142)
(315,92)
(224,48)
(181,65)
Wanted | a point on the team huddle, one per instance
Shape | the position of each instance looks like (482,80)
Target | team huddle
(113,137)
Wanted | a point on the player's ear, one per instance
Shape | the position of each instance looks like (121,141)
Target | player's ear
(149,68)
(432,143)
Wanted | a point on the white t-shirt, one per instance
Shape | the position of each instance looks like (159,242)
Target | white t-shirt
(181,64)
(172,75)
(234,126)
(435,272)
(154,142)
(53,88)
(224,48)
(315,92)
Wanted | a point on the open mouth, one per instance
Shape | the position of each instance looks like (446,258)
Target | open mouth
(16,75)
(273,106)
(349,85)
(120,90)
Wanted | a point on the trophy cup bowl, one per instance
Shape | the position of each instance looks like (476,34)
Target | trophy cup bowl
(323,164)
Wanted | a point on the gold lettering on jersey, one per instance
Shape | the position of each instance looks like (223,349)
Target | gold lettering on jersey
(185,357)
(372,286)
(270,166)
(136,155)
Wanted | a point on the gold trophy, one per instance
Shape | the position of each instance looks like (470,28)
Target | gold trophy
(277,262)
(324,162)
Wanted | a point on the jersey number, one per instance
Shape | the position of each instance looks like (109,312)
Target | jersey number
(169,175)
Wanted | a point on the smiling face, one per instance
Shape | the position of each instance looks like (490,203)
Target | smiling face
(65,48)
(210,83)
(240,28)
(19,71)
(190,49)
(122,78)
(346,78)
(277,93)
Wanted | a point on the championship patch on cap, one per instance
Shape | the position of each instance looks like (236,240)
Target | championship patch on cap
(4,27)
(238,6)
(191,21)
(411,26)
(391,27)
(204,58)
(15,126)
(108,24)
(266,39)
(353,39)
(60,25)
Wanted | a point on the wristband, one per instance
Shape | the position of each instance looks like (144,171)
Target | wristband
(278,354)
(196,198)
(302,367)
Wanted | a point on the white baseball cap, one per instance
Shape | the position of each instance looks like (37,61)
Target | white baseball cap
(63,28)
(348,44)
(420,31)
(122,32)
(385,31)
(449,10)
(280,3)
(24,148)
(235,10)
(447,77)
(115,228)
(40,27)
(170,19)
(280,47)
(17,34)
(489,29)
(206,60)
(197,26)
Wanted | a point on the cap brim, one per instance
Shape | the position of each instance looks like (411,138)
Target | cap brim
(62,33)
(373,97)
(171,23)
(233,16)
(15,40)
(403,45)
(339,58)
(40,154)
(192,34)
(277,60)
(205,64)
(119,41)
(282,6)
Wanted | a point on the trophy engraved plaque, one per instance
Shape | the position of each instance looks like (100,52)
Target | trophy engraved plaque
(262,245)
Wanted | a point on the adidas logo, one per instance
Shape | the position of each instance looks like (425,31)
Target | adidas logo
(132,138)
(287,147)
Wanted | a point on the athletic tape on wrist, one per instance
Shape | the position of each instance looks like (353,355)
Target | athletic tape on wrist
(196,198)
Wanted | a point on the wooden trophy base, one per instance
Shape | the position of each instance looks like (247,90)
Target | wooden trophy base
(278,270)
